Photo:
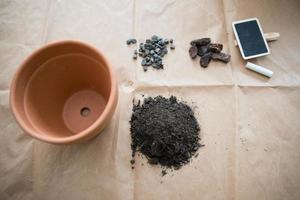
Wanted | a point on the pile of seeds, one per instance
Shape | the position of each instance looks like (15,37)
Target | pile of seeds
(165,131)
(207,51)
(152,51)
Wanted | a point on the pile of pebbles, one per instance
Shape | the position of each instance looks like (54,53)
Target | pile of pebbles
(166,131)
(207,51)
(152,51)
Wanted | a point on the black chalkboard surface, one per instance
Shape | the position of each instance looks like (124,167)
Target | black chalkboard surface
(250,38)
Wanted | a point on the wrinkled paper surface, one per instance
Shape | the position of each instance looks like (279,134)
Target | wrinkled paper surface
(249,123)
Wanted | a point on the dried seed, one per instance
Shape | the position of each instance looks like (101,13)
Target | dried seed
(221,56)
(209,51)
(202,50)
(205,59)
(215,47)
(201,42)
(193,52)
(172,47)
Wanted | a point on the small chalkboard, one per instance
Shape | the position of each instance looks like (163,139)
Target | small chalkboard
(250,38)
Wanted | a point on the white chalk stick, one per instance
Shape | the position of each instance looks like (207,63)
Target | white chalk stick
(259,69)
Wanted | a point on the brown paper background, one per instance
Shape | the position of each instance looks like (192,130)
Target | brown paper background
(249,123)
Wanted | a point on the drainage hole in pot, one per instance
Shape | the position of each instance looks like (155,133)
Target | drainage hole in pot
(85,111)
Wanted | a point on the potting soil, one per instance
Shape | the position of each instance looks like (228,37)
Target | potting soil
(165,131)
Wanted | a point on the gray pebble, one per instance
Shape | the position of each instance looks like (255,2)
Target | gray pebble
(152,51)
(154,37)
(144,62)
(131,41)
(145,68)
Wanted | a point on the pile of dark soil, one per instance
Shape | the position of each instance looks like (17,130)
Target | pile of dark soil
(165,131)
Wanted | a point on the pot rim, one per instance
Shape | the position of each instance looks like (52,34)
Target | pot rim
(85,133)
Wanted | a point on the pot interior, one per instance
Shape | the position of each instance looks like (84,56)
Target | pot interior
(66,94)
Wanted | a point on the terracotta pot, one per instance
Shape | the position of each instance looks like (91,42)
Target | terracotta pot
(63,93)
